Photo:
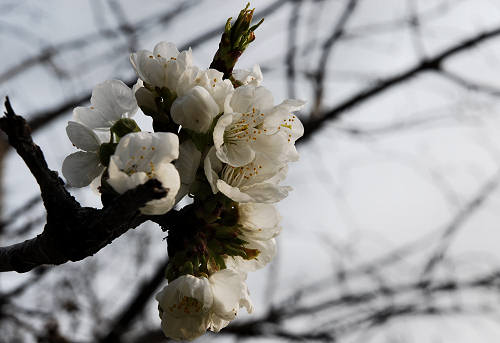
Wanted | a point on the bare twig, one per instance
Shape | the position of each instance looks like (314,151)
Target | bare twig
(136,305)
(319,74)
(451,230)
(430,64)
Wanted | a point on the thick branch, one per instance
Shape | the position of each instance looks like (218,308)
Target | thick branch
(51,186)
(75,235)
(72,232)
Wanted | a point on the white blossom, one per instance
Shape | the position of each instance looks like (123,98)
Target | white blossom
(201,99)
(110,101)
(184,306)
(253,141)
(190,305)
(163,67)
(256,181)
(251,124)
(259,224)
(141,156)
(196,110)
(81,167)
(212,80)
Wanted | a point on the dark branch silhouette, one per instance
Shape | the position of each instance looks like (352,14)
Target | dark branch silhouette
(72,232)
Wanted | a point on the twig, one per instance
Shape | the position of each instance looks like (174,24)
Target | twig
(432,63)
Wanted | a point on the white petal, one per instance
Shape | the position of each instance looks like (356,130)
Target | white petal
(233,193)
(277,147)
(190,286)
(148,68)
(247,98)
(82,137)
(143,148)
(280,117)
(238,153)
(266,192)
(187,164)
(114,99)
(182,79)
(80,168)
(217,323)
(91,117)
(259,221)
(245,300)
(165,50)
(212,166)
(175,69)
(195,110)
(226,288)
(120,181)
(219,88)
(186,57)
(220,127)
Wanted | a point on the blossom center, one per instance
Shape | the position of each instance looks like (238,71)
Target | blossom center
(236,176)
(137,163)
(246,129)
(186,306)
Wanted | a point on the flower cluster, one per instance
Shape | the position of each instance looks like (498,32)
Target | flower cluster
(222,142)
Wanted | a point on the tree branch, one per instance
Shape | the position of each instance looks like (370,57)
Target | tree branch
(319,75)
(432,63)
(136,305)
(51,186)
(72,232)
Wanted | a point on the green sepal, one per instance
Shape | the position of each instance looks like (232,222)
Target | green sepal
(225,232)
(233,251)
(187,268)
(106,150)
(220,262)
(125,126)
